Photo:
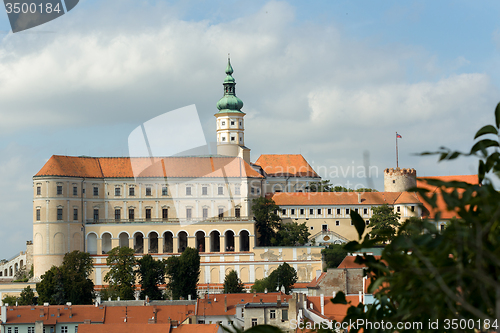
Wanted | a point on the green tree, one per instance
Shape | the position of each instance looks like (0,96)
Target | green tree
(51,287)
(384,223)
(260,285)
(451,274)
(11,300)
(283,276)
(232,283)
(266,219)
(333,255)
(151,274)
(27,296)
(183,273)
(291,234)
(76,268)
(321,186)
(121,276)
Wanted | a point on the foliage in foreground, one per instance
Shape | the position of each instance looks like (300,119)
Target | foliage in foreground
(450,276)
(151,274)
(333,255)
(121,275)
(183,273)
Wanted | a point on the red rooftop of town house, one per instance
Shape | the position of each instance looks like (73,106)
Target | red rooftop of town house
(285,165)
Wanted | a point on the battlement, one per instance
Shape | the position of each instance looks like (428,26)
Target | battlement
(399,171)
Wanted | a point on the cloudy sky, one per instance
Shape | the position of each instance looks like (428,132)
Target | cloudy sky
(331,80)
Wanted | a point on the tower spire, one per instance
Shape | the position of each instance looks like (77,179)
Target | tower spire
(229,102)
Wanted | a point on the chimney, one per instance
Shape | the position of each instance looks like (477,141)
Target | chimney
(322,300)
(189,297)
(278,301)
(360,296)
(70,312)
(359,197)
(4,314)
(58,312)
(225,303)
(261,301)
(41,312)
(333,294)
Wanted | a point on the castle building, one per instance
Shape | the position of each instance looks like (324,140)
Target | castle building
(94,204)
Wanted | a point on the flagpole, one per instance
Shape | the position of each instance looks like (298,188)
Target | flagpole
(397,159)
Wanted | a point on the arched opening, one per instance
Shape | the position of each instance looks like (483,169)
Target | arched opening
(168,242)
(244,241)
(138,243)
(229,240)
(183,241)
(1,273)
(106,243)
(200,241)
(92,243)
(5,273)
(153,242)
(16,267)
(10,271)
(123,239)
(215,241)
(21,263)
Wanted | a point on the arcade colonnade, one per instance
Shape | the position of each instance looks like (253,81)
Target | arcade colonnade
(100,240)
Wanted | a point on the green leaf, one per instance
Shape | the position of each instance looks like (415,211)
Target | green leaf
(497,115)
(358,222)
(488,129)
(482,145)
(339,298)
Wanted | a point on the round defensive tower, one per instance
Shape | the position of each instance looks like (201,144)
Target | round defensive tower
(399,180)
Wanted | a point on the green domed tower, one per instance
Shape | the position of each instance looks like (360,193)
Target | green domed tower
(230,125)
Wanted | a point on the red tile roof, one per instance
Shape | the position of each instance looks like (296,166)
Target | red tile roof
(332,311)
(348,262)
(215,306)
(428,211)
(55,314)
(198,328)
(342,198)
(286,165)
(141,314)
(315,282)
(124,328)
(158,167)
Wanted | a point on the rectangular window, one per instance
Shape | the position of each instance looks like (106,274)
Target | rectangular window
(75,190)
(292,211)
(76,329)
(329,211)
(38,190)
(59,214)
(338,211)
(188,190)
(31,329)
(118,191)
(188,213)
(59,189)
(283,212)
(64,329)
(164,213)
(148,213)
(205,213)
(220,190)
(356,210)
(9,329)
(441,227)
(164,190)
(272,314)
(347,211)
(96,190)
(118,214)
(311,211)
(254,322)
(284,314)
(337,223)
(365,211)
(204,190)
(302,211)
(237,190)
(233,138)
(96,214)
(148,191)
(412,208)
(16,329)
(38,214)
(324,227)
(221,213)
(236,212)
(398,209)
(75,214)
(319,211)
(242,313)
(367,222)
(131,214)
(232,123)
(252,190)
(131,191)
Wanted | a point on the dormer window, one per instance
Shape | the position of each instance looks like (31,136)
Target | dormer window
(232,123)
(233,138)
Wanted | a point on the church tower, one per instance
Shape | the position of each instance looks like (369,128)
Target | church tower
(230,123)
